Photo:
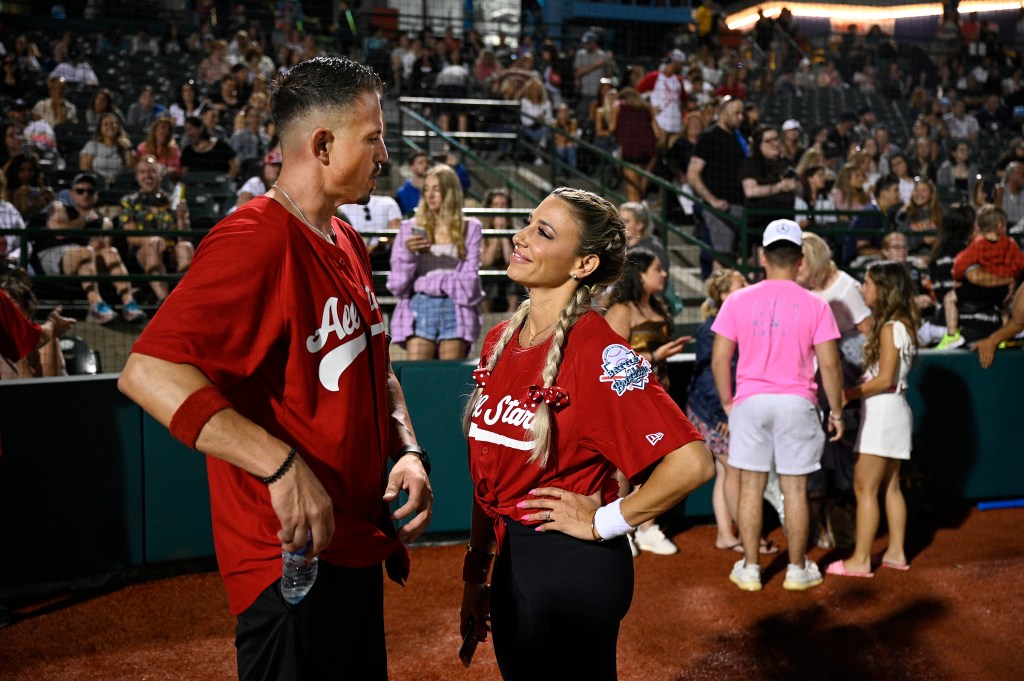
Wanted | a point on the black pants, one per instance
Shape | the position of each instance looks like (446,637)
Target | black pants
(556,604)
(335,632)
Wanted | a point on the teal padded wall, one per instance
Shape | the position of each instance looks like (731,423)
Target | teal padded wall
(968,425)
(435,393)
(92,485)
(177,497)
(71,479)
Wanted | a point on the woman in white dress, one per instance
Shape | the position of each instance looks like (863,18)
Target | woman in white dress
(884,438)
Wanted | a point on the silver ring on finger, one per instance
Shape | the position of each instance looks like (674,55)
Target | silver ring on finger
(548,516)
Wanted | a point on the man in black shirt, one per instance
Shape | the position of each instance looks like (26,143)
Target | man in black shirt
(841,133)
(714,174)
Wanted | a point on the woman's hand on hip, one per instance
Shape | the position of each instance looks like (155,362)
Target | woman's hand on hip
(564,511)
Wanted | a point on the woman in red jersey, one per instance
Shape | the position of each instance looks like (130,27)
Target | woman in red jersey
(562,402)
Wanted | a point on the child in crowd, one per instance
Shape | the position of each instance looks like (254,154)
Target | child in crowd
(884,437)
(1000,260)
(704,409)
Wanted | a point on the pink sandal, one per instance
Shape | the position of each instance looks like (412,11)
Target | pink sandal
(839,568)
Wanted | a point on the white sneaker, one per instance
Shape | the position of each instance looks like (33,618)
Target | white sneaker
(632,545)
(802,577)
(746,577)
(655,541)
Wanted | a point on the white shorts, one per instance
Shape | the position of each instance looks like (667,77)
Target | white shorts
(785,429)
(52,258)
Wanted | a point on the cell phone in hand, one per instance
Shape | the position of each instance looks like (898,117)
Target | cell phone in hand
(419,231)
(469,643)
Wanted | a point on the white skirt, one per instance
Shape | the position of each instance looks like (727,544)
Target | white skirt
(886,425)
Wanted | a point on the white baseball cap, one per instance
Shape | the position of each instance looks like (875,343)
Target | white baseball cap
(782,230)
(791,124)
(678,55)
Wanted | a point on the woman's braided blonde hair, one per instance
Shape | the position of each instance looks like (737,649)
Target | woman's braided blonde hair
(601,233)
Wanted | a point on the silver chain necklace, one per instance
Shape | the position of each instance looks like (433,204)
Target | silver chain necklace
(541,335)
(301,214)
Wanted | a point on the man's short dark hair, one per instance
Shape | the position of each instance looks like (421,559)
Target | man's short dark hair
(197,122)
(884,183)
(416,155)
(319,84)
(783,253)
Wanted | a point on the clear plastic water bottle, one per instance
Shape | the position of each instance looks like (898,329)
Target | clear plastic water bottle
(297,575)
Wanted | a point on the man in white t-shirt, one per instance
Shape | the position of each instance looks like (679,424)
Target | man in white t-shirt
(961,125)
(75,69)
(382,212)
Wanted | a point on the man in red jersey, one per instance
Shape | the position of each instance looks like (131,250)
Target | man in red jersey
(270,357)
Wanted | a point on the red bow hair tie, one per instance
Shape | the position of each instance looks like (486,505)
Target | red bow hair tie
(481,376)
(554,396)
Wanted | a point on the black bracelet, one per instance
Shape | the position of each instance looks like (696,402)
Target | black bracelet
(480,552)
(279,473)
(419,452)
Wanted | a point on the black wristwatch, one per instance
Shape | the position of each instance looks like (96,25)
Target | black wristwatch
(419,452)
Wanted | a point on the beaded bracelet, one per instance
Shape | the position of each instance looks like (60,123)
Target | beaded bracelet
(279,473)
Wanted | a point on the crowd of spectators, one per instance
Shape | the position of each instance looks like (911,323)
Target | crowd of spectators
(89,109)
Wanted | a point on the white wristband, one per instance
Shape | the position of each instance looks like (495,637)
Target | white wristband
(609,521)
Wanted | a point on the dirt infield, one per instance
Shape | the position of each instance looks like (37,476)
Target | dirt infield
(957,615)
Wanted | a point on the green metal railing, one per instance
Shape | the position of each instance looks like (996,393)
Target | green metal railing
(32,232)
(609,167)
(747,239)
(452,138)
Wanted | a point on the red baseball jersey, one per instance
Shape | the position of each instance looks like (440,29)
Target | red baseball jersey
(618,416)
(286,325)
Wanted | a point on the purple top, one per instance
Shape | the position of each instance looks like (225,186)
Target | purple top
(413,273)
